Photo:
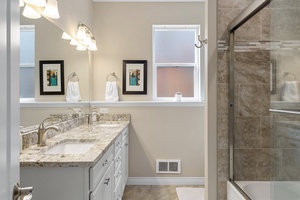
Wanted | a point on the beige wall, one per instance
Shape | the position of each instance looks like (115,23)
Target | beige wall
(165,133)
(124,32)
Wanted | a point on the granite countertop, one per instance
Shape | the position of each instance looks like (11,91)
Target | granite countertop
(104,137)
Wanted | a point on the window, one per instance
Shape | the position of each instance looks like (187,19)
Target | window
(176,62)
(27,61)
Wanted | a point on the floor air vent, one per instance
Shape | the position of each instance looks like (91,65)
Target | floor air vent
(168,166)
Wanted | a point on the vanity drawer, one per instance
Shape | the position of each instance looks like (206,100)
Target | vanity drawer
(100,168)
(118,159)
(118,144)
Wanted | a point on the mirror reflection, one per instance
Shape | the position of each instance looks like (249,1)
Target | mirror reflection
(41,40)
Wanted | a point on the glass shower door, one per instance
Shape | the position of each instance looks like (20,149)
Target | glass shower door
(285,99)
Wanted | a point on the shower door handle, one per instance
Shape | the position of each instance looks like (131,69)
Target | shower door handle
(273,77)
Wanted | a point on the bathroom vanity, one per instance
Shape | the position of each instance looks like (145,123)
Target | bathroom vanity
(96,169)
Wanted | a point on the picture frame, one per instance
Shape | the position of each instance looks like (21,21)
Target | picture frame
(135,77)
(52,77)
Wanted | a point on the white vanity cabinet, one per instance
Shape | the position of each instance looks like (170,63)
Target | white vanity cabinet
(102,177)
(104,181)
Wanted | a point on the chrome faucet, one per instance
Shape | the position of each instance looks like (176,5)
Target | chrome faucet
(42,132)
(93,111)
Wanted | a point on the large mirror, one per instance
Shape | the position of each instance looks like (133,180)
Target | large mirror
(48,45)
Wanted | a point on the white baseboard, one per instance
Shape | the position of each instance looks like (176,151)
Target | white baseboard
(165,181)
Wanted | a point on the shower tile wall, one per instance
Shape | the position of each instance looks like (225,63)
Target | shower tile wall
(252,97)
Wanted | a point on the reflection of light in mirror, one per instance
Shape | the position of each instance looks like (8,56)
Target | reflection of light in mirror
(30,13)
(51,9)
(86,37)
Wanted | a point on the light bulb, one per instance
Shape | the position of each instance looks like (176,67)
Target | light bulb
(81,33)
(80,47)
(66,36)
(51,10)
(92,46)
(74,42)
(30,13)
(87,41)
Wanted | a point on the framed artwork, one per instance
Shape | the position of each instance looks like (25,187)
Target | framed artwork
(52,77)
(134,76)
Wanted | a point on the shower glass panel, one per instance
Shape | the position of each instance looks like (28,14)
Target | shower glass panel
(264,100)
(285,101)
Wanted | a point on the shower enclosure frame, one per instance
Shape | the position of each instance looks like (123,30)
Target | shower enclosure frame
(243,17)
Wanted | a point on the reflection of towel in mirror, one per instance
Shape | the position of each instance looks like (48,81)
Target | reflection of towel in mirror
(290,91)
(73,92)
(111,92)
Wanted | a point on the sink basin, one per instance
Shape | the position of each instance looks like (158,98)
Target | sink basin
(71,148)
(109,125)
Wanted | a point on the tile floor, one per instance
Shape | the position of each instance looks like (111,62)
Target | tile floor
(151,192)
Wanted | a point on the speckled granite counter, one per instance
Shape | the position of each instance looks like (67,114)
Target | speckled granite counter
(102,136)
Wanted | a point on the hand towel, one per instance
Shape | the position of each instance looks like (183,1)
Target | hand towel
(73,92)
(111,92)
(290,91)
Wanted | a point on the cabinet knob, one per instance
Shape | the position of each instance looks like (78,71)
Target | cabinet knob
(105,163)
(106,182)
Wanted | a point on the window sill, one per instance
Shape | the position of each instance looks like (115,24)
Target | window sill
(148,103)
(116,104)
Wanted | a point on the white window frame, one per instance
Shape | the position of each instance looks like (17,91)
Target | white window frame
(24,28)
(196,65)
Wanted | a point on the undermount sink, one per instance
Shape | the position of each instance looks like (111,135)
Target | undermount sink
(109,125)
(71,148)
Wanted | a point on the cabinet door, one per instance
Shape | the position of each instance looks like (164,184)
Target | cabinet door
(105,189)
(125,146)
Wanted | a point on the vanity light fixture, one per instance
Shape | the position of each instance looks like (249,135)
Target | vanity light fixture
(50,8)
(29,12)
(86,37)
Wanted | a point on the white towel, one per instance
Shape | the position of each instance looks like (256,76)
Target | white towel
(111,92)
(290,91)
(73,92)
